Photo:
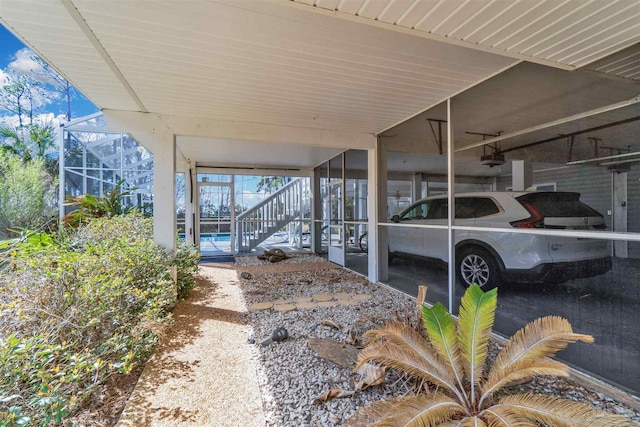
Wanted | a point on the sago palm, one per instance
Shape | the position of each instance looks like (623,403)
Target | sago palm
(453,360)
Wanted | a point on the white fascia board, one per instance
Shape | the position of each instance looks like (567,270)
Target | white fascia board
(136,123)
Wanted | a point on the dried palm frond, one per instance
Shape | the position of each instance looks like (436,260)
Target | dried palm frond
(370,375)
(542,337)
(519,372)
(472,422)
(409,361)
(404,336)
(496,419)
(558,412)
(419,411)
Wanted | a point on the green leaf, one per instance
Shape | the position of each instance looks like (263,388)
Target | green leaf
(441,329)
(477,313)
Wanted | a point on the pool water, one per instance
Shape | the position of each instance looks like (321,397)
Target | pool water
(216,237)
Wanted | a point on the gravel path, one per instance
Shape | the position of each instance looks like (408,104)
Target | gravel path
(202,373)
(291,374)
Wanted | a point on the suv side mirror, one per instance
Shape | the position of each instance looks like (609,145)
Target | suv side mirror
(395,218)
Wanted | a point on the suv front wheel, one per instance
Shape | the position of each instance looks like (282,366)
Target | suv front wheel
(476,265)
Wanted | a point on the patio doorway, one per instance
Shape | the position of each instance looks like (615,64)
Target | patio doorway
(241,213)
(335,232)
(215,218)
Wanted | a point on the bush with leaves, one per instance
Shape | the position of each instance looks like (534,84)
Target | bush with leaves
(186,262)
(77,309)
(27,194)
(453,359)
(92,207)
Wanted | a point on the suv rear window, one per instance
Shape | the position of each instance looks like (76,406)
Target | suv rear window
(555,204)
(475,207)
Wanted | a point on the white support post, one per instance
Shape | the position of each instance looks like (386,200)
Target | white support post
(300,224)
(452,207)
(164,190)
(189,177)
(521,175)
(376,209)
(195,205)
(416,186)
(61,173)
(316,212)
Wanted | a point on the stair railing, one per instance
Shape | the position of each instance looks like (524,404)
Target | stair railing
(258,223)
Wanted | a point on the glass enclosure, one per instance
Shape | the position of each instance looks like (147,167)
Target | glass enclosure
(321,223)
(552,221)
(95,160)
(356,218)
(240,214)
(341,218)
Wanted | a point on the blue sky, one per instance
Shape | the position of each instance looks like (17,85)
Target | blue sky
(10,46)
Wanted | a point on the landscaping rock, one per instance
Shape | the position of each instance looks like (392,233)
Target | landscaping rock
(340,353)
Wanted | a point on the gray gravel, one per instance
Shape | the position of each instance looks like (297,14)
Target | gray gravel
(290,374)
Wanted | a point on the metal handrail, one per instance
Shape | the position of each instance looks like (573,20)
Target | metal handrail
(268,200)
(256,224)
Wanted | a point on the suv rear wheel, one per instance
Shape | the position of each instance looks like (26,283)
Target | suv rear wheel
(476,265)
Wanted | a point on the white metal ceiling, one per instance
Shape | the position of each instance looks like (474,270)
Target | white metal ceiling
(233,153)
(294,64)
(625,63)
(49,28)
(248,61)
(568,33)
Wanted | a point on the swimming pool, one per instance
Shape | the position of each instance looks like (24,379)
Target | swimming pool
(216,237)
(210,237)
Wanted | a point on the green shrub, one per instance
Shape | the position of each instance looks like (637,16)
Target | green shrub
(27,194)
(79,309)
(186,262)
(91,207)
(45,379)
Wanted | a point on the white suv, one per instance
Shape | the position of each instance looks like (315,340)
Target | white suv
(488,257)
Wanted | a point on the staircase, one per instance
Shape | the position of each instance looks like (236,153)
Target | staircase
(255,225)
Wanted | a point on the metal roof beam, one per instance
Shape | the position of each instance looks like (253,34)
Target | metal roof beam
(139,123)
(88,32)
(584,115)
(572,134)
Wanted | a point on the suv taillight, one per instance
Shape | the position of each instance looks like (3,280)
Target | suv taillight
(534,221)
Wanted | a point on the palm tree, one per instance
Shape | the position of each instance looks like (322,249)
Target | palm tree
(32,141)
(14,142)
(453,359)
(90,207)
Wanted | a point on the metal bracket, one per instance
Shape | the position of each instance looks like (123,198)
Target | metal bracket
(596,142)
(437,137)
(571,139)
(495,147)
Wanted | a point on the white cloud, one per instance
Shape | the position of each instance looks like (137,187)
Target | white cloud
(45,118)
(24,62)
(248,198)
